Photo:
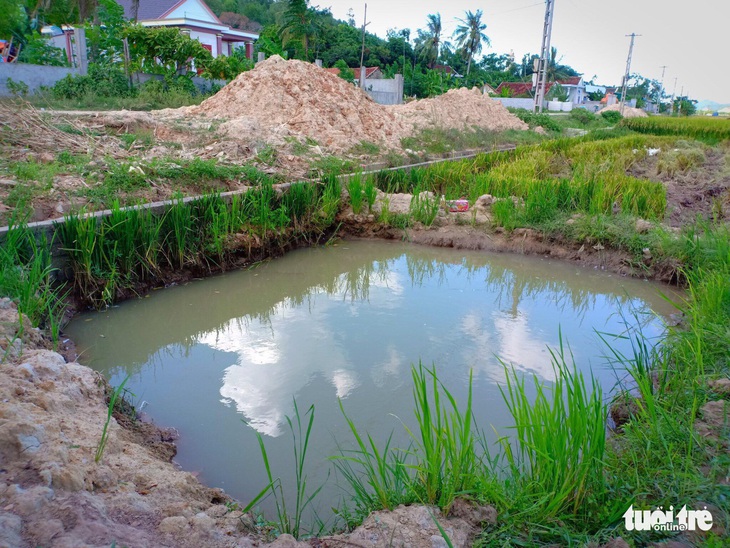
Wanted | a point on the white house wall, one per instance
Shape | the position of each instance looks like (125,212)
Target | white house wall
(192,9)
(208,39)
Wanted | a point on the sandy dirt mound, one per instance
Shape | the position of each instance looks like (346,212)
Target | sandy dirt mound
(459,109)
(280,98)
(53,493)
(628,111)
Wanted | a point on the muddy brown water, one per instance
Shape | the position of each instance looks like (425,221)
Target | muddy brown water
(220,357)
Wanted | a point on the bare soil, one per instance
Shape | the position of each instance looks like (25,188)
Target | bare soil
(701,191)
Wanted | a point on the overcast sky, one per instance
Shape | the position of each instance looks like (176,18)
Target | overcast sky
(691,38)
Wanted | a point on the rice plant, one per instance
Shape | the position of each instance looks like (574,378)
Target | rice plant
(110,411)
(445,446)
(379,478)
(371,192)
(355,191)
(180,232)
(26,277)
(290,521)
(424,207)
(555,457)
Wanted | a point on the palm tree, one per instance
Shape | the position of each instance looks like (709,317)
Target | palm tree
(431,40)
(555,71)
(470,36)
(299,25)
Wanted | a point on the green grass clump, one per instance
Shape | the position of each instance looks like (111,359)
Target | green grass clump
(536,119)
(26,277)
(355,190)
(556,456)
(612,116)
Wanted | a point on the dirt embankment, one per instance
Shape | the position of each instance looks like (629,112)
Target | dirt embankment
(53,493)
(472,230)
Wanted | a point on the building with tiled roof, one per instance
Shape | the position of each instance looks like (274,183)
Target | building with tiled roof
(192,17)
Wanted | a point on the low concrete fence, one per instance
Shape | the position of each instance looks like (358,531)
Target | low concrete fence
(514,102)
(203,85)
(38,76)
(33,76)
(386,91)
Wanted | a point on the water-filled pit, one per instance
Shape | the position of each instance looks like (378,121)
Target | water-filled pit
(347,322)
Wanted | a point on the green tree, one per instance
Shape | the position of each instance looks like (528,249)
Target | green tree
(299,26)
(269,42)
(164,50)
(428,42)
(105,37)
(470,36)
(13,19)
(685,106)
(346,73)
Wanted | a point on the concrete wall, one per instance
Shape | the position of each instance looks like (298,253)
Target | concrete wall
(34,76)
(592,106)
(514,102)
(203,85)
(385,91)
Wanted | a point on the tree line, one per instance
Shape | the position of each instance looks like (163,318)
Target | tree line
(430,61)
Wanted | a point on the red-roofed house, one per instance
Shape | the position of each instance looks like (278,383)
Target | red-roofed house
(195,18)
(371,73)
(519,89)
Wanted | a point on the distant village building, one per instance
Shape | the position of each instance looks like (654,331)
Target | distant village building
(192,17)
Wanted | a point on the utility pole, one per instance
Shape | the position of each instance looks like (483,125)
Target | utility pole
(544,56)
(671,113)
(362,51)
(679,104)
(661,90)
(625,85)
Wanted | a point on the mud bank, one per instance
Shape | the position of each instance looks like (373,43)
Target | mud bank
(473,230)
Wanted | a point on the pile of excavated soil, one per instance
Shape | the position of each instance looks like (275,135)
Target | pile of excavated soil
(459,109)
(280,98)
(629,112)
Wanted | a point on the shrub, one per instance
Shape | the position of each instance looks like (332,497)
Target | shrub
(104,80)
(533,120)
(582,116)
(612,116)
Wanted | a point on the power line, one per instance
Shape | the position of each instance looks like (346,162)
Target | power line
(515,9)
